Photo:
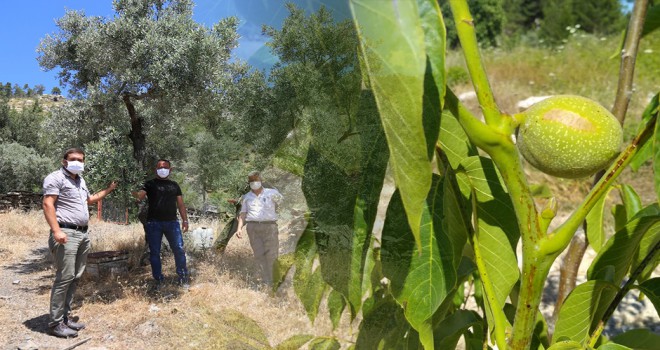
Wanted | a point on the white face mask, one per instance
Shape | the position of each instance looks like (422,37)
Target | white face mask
(255,185)
(163,172)
(75,167)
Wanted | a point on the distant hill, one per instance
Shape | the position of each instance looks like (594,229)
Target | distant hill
(46,101)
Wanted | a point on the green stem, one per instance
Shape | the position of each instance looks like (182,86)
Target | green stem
(556,242)
(483,136)
(468,38)
(535,266)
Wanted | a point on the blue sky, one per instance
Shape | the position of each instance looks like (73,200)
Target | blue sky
(25,23)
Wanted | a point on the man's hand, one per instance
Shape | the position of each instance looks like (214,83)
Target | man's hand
(238,233)
(112,186)
(59,236)
(184,226)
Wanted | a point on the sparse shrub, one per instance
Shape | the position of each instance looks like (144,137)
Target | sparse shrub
(22,168)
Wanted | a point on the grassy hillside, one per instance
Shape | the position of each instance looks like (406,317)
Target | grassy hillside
(47,102)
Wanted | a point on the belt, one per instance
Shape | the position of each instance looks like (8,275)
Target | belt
(74,227)
(261,222)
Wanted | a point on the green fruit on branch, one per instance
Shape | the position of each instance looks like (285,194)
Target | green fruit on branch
(568,136)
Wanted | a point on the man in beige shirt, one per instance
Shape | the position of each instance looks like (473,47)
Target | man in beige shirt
(259,215)
(66,198)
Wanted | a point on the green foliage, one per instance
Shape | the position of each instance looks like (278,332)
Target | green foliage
(592,16)
(25,126)
(110,159)
(152,60)
(522,15)
(21,168)
(641,339)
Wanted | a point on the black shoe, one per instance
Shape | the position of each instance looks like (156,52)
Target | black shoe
(63,331)
(156,286)
(184,283)
(76,326)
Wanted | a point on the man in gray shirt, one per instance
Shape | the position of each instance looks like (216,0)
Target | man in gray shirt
(65,207)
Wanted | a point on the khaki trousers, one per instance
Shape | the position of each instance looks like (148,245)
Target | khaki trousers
(265,245)
(70,260)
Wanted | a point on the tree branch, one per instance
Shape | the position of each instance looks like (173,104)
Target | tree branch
(628,58)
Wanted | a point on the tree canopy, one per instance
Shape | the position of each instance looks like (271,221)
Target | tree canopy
(150,53)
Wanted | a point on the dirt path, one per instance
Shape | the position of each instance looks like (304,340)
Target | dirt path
(25,283)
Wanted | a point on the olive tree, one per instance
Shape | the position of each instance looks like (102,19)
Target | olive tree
(150,55)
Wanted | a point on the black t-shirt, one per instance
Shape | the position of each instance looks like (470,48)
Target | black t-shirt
(162,194)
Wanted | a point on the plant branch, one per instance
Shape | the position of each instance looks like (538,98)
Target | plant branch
(628,57)
(622,292)
(480,134)
(556,242)
(468,38)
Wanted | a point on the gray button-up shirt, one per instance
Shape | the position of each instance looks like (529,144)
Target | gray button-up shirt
(71,204)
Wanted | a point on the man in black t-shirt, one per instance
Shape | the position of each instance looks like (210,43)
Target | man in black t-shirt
(164,198)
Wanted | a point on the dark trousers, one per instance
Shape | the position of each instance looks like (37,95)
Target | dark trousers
(155,230)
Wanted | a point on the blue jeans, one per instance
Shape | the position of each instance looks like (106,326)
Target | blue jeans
(154,232)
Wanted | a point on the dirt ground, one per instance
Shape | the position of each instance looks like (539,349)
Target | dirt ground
(223,309)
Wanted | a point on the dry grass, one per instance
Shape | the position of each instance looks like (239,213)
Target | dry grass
(20,229)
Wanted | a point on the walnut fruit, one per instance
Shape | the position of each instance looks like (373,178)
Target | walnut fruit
(569,136)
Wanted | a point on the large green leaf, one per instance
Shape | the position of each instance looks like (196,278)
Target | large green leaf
(294,342)
(420,279)
(243,331)
(392,44)
(613,346)
(646,151)
(456,222)
(385,327)
(375,154)
(324,343)
(307,281)
(630,200)
(581,307)
(435,39)
(330,194)
(638,339)
(647,246)
(453,140)
(498,229)
(336,306)
(595,233)
(651,289)
(619,251)
(434,78)
(655,140)
(450,330)
(652,21)
(566,345)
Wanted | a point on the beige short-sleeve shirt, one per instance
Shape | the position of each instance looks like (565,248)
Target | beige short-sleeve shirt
(72,194)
